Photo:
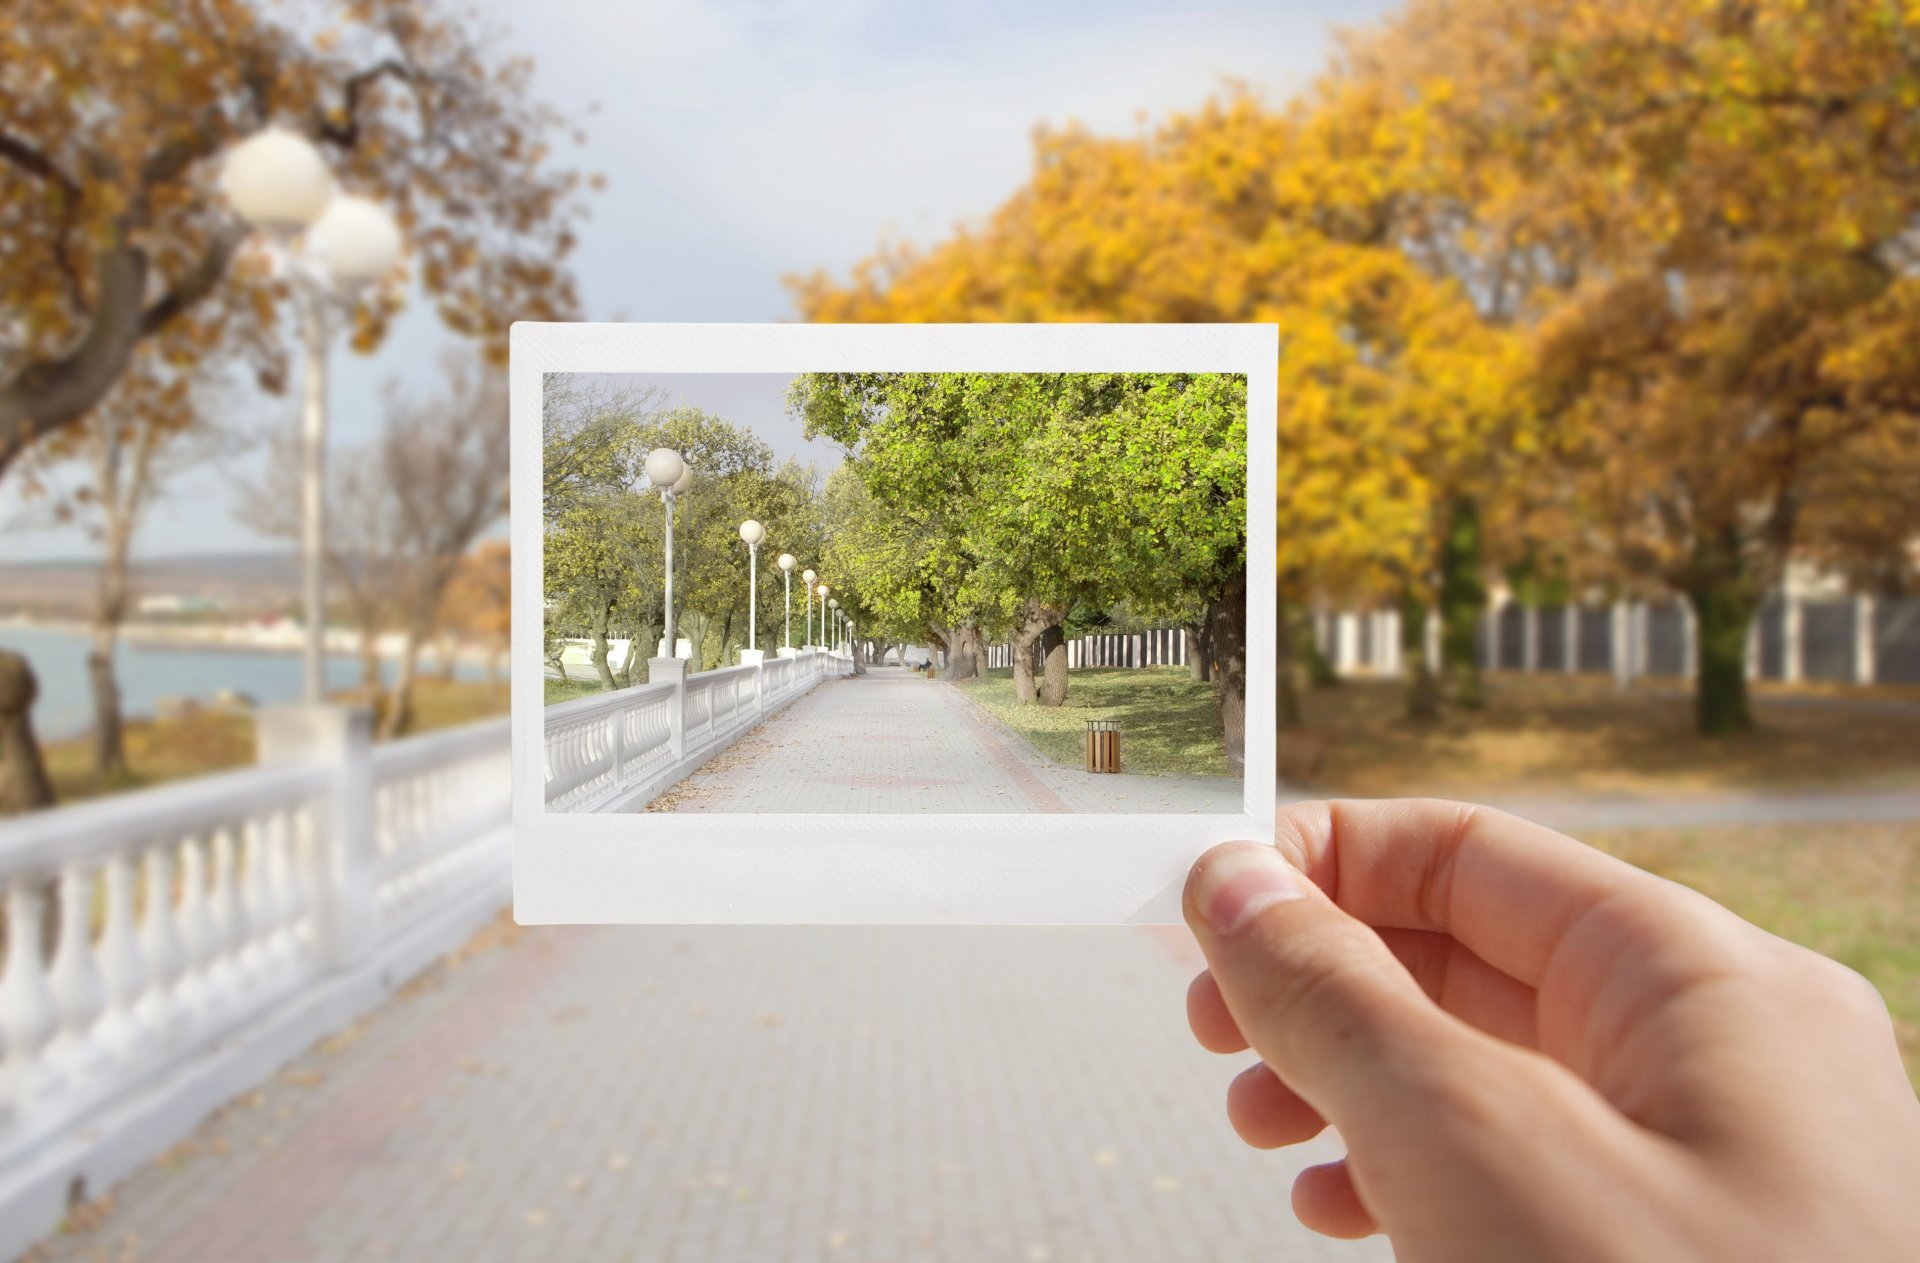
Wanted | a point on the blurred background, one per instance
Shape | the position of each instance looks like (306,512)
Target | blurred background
(1599,438)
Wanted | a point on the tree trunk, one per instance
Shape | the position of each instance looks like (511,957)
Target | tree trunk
(1423,688)
(965,651)
(1227,639)
(109,735)
(1286,712)
(1462,598)
(598,631)
(1035,618)
(399,715)
(859,656)
(370,681)
(23,776)
(1053,684)
(1197,665)
(1723,609)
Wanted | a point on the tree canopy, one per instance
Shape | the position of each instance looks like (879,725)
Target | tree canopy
(1630,287)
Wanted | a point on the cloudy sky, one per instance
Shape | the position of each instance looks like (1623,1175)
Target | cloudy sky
(745,140)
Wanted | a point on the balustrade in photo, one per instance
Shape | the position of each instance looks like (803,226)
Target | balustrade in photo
(616,751)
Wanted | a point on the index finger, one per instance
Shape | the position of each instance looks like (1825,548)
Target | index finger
(1505,888)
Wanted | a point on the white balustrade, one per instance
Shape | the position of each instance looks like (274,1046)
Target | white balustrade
(187,921)
(608,748)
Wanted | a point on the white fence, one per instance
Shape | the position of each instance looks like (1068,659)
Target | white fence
(1159,647)
(616,751)
(1858,640)
(205,932)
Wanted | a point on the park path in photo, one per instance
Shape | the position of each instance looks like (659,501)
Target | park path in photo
(741,1093)
(892,742)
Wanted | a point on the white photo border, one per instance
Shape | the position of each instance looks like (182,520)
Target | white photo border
(669,868)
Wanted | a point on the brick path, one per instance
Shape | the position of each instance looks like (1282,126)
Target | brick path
(741,1094)
(890,741)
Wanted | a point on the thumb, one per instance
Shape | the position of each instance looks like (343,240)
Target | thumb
(1318,994)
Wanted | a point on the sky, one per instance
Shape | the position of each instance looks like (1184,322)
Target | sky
(755,401)
(747,140)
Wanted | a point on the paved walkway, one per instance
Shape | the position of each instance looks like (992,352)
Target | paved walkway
(893,742)
(667,1094)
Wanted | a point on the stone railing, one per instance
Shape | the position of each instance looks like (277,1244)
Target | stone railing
(616,751)
(167,949)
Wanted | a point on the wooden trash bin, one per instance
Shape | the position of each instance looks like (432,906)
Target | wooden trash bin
(1103,745)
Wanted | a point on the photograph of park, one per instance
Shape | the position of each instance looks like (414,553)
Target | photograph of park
(894,592)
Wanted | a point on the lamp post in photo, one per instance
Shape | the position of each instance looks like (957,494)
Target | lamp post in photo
(330,246)
(806,578)
(787,564)
(834,606)
(821,592)
(667,472)
(752,533)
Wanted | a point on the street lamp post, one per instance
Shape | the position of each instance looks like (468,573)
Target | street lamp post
(667,472)
(279,184)
(752,532)
(787,564)
(821,592)
(807,577)
(834,606)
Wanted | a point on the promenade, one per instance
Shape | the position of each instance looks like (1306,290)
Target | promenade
(891,741)
(659,1094)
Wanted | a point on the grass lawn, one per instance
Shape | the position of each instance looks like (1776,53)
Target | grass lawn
(195,744)
(1166,720)
(1850,891)
(1551,734)
(568,690)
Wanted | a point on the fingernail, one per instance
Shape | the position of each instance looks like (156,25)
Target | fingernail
(1236,885)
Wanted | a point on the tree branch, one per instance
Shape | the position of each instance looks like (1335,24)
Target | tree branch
(198,281)
(347,135)
(34,162)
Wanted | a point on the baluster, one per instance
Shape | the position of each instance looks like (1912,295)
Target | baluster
(256,894)
(304,876)
(75,978)
(227,976)
(122,969)
(196,929)
(27,1014)
(159,1007)
(279,848)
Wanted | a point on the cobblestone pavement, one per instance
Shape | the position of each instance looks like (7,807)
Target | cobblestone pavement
(893,742)
(740,1094)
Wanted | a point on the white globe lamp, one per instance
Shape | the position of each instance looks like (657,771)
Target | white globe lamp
(356,240)
(664,467)
(277,181)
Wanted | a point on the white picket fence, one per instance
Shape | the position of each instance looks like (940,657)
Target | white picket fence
(1158,647)
(205,932)
(616,751)
(1859,639)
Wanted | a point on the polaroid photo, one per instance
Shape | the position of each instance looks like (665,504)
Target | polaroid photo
(888,623)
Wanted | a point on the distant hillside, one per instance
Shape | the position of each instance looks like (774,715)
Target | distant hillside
(65,588)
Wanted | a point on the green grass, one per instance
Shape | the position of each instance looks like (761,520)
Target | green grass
(1167,721)
(568,690)
(1849,891)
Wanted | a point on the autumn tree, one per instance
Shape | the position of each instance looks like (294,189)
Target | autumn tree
(444,461)
(478,604)
(1393,392)
(1719,203)
(103,476)
(114,114)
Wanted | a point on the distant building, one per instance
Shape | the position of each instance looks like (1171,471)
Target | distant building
(173,604)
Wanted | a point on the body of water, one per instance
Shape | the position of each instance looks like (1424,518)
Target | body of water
(147,674)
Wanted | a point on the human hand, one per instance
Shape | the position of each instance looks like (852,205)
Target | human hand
(1535,1051)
